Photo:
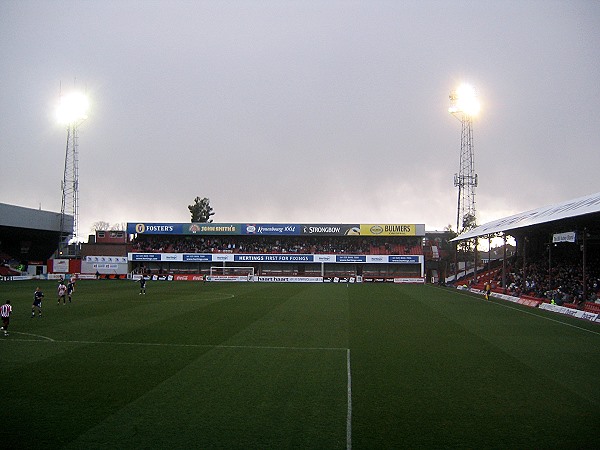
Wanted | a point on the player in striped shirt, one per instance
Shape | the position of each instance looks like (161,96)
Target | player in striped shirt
(62,292)
(5,311)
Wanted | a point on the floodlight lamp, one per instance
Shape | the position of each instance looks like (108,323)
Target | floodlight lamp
(73,107)
(464,100)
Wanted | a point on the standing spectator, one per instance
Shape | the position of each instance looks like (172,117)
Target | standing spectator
(5,311)
(62,292)
(37,302)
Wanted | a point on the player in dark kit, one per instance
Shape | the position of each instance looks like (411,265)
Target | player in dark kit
(143,285)
(70,289)
(37,302)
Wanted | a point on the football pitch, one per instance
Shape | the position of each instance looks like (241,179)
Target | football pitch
(261,366)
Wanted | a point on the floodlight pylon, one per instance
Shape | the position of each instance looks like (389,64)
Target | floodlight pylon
(72,112)
(466,179)
(70,191)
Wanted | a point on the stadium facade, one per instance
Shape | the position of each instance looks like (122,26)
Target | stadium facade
(567,231)
(279,251)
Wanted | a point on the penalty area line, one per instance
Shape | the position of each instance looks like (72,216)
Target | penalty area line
(349,401)
(251,347)
(163,344)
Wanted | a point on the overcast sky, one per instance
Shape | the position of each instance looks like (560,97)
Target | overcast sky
(299,111)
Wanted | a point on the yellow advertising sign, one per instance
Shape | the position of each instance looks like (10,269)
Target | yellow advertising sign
(393,229)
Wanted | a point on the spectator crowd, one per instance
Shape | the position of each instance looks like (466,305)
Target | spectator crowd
(563,283)
(276,244)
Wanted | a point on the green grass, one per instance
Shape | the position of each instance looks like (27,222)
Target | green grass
(253,365)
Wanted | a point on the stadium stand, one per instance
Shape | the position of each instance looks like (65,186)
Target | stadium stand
(28,234)
(557,257)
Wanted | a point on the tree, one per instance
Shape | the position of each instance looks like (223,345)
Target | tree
(105,226)
(469,222)
(450,231)
(447,251)
(100,226)
(201,210)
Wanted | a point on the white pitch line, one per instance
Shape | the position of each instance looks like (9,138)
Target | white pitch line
(349,411)
(472,296)
(162,344)
(253,347)
(36,335)
(547,318)
(152,299)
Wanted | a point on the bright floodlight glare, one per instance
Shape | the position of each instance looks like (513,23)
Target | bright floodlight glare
(72,107)
(464,100)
